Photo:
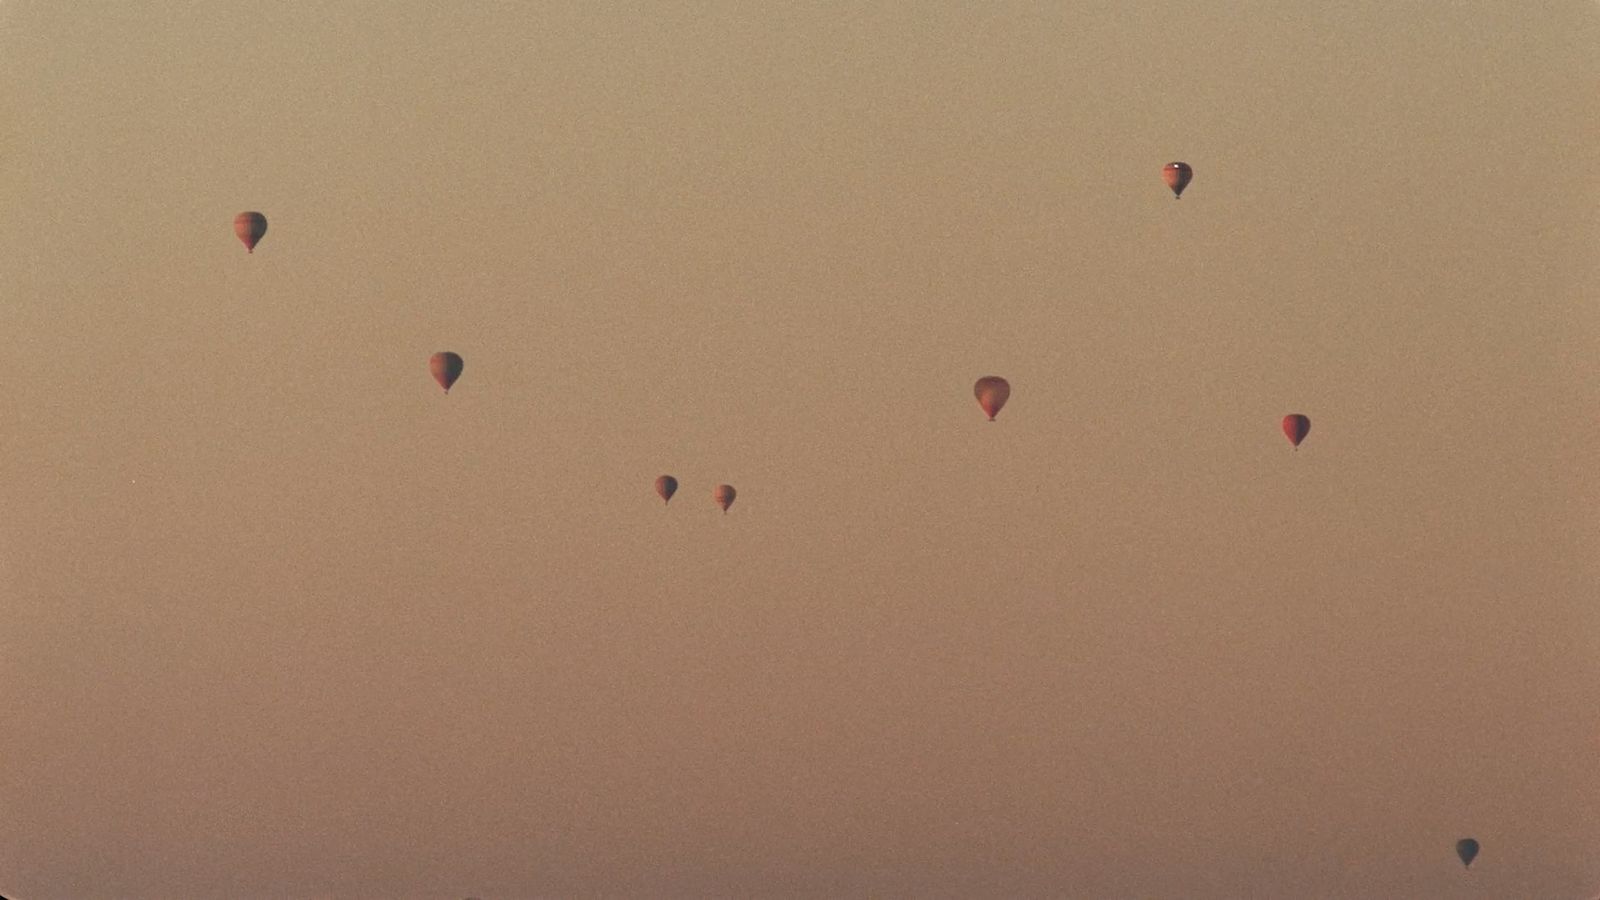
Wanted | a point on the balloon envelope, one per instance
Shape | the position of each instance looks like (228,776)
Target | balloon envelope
(666,486)
(250,226)
(992,392)
(1467,849)
(446,368)
(1295,428)
(1177,175)
(724,494)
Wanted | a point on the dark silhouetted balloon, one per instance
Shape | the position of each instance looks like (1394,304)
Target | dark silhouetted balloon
(1467,849)
(1177,175)
(446,368)
(250,226)
(992,392)
(666,486)
(724,494)
(1295,428)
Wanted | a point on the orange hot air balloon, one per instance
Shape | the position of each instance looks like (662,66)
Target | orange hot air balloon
(446,368)
(1295,428)
(250,226)
(1177,175)
(724,494)
(992,392)
(666,486)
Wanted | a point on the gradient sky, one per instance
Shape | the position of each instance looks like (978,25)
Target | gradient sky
(278,618)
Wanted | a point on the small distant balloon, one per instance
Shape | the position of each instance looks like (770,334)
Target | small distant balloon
(724,494)
(446,368)
(250,226)
(1177,175)
(992,392)
(1467,849)
(666,486)
(1295,428)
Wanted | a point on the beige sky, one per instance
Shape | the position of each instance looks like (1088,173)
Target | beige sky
(281,619)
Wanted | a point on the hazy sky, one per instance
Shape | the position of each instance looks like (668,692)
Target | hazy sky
(280,619)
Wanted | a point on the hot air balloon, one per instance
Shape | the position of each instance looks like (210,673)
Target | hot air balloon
(1467,849)
(992,392)
(446,368)
(724,494)
(1177,175)
(666,486)
(1295,428)
(250,226)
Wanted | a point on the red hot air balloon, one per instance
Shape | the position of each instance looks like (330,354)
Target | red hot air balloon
(724,494)
(992,392)
(1177,175)
(1295,428)
(446,368)
(666,486)
(250,226)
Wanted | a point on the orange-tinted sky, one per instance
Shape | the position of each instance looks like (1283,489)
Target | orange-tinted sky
(278,618)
